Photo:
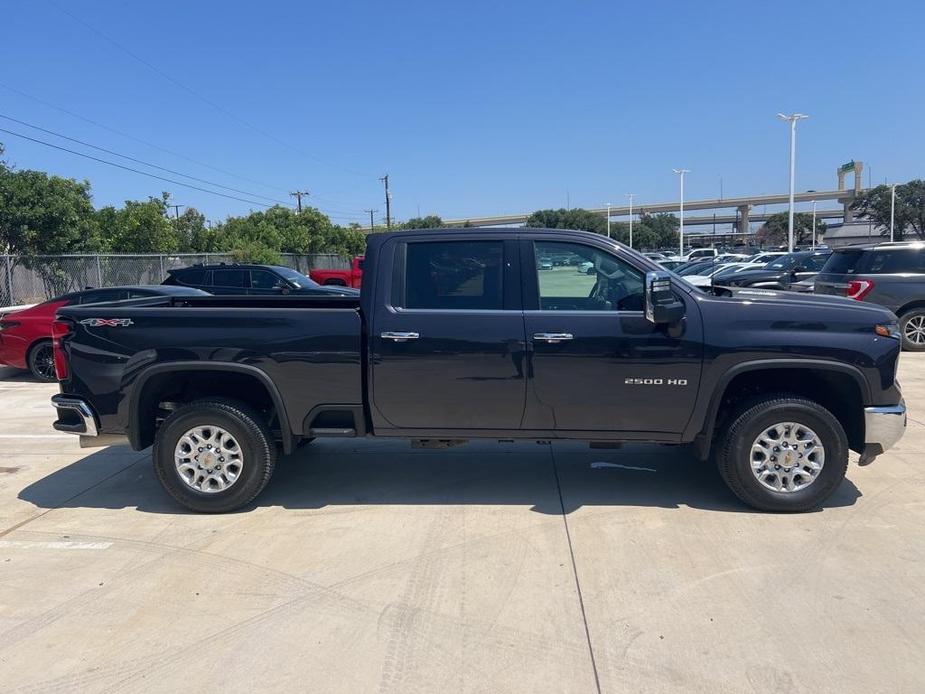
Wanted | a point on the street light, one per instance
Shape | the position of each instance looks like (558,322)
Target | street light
(631,196)
(892,209)
(681,173)
(814,225)
(608,220)
(793,153)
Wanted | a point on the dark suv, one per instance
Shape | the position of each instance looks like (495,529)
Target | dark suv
(889,274)
(252,279)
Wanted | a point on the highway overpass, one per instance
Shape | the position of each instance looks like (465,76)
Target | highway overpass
(743,205)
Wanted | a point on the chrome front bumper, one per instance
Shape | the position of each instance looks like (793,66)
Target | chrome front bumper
(883,428)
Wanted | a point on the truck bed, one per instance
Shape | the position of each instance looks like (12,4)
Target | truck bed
(307,351)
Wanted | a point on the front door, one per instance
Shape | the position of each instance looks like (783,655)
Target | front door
(448,349)
(597,363)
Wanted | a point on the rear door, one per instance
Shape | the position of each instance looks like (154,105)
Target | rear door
(447,346)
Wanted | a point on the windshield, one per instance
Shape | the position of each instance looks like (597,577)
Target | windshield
(296,278)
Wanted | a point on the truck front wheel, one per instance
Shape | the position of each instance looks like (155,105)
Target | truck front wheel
(214,456)
(783,453)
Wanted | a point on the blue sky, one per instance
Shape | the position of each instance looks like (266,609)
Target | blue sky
(472,108)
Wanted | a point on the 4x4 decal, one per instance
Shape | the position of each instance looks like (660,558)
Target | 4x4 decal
(107,322)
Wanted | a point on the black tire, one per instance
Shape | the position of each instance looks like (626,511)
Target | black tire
(41,361)
(335,283)
(734,454)
(917,317)
(252,435)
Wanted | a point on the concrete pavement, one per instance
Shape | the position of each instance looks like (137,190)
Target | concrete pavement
(369,566)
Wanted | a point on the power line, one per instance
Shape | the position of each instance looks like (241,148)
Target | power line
(128,136)
(199,96)
(129,168)
(140,161)
(171,152)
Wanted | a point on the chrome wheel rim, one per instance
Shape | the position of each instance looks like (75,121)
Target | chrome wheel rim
(44,362)
(914,330)
(787,457)
(208,459)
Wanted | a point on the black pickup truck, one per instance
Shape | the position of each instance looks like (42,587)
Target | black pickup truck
(460,335)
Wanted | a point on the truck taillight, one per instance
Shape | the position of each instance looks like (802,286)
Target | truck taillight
(858,289)
(59,330)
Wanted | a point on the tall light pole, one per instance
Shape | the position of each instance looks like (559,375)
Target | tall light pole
(892,209)
(814,225)
(792,119)
(608,220)
(631,196)
(681,173)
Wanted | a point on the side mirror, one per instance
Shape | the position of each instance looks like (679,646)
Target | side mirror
(283,289)
(662,306)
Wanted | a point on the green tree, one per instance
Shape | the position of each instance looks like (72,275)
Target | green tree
(191,230)
(42,215)
(909,212)
(656,231)
(576,218)
(774,232)
(431,221)
(45,215)
(139,227)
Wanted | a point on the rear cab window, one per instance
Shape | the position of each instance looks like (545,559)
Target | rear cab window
(450,275)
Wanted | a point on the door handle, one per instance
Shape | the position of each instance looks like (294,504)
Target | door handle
(399,337)
(552,338)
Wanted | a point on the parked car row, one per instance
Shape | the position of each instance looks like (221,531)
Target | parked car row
(889,274)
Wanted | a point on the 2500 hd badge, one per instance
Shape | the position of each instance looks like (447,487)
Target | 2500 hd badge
(655,382)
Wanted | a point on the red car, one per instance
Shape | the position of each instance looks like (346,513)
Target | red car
(342,278)
(25,335)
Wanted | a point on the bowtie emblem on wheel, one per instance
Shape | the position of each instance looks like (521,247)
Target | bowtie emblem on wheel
(107,322)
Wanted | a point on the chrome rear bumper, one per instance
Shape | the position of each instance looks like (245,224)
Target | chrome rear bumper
(74,416)
(883,428)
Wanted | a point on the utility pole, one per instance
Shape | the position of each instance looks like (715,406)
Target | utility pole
(298,196)
(176,211)
(631,196)
(608,220)
(388,203)
(371,225)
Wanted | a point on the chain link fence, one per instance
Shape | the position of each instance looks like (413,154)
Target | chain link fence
(33,279)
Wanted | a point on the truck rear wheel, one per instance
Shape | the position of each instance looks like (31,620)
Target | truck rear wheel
(783,453)
(214,456)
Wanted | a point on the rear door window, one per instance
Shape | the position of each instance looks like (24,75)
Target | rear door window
(896,261)
(453,275)
(229,278)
